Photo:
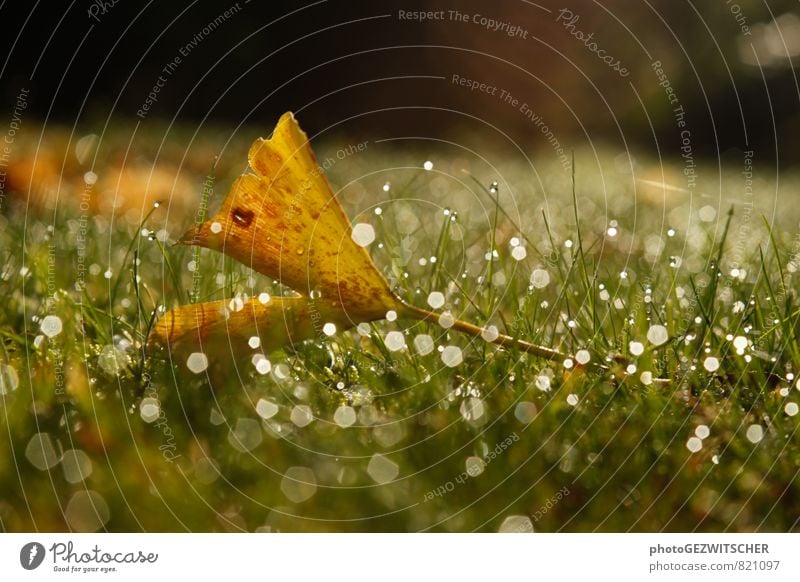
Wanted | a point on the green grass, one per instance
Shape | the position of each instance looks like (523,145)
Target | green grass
(619,458)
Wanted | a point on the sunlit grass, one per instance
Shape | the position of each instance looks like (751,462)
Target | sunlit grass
(675,407)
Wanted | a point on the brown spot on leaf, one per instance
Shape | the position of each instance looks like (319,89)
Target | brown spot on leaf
(242,217)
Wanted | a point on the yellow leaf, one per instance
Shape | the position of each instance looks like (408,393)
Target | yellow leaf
(284,221)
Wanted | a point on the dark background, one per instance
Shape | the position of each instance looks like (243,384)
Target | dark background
(340,60)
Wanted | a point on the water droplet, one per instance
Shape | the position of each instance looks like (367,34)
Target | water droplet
(519,253)
(446,320)
(494,187)
(711,364)
(702,431)
(646,378)
(755,432)
(51,326)
(472,409)
(657,335)
(197,362)
(246,435)
(424,344)
(364,329)
(475,466)
(216,227)
(540,278)
(301,415)
(254,342)
(791,408)
(266,409)
(299,484)
(264,298)
(382,469)
(490,333)
(436,299)
(572,399)
(344,416)
(87,511)
(452,356)
(694,444)
(262,365)
(363,234)
(387,186)
(391,315)
(428,165)
(40,451)
(329,329)
(395,341)
(583,357)
(76,464)
(543,382)
(525,412)
(9,379)
(149,409)
(516,524)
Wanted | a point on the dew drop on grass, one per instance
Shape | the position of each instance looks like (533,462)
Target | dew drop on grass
(428,165)
(516,524)
(424,345)
(363,329)
(525,412)
(266,409)
(519,253)
(702,431)
(474,466)
(694,444)
(711,364)
(344,416)
(395,341)
(472,409)
(197,362)
(446,320)
(9,379)
(51,326)
(299,484)
(740,342)
(76,465)
(646,378)
(329,329)
(452,356)
(572,399)
(246,435)
(216,227)
(543,382)
(490,333)
(391,315)
(540,278)
(149,409)
(40,451)
(382,469)
(583,357)
(436,299)
(87,511)
(755,432)
(657,335)
(264,298)
(363,234)
(301,415)
(262,364)
(254,342)
(791,408)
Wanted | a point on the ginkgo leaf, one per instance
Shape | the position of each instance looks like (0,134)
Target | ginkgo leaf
(284,221)
(234,323)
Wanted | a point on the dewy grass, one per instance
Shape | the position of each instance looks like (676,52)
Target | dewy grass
(631,452)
